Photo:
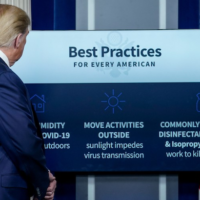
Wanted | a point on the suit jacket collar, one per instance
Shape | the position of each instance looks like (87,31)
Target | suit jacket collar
(4,58)
(3,66)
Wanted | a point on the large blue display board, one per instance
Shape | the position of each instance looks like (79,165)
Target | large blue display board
(116,101)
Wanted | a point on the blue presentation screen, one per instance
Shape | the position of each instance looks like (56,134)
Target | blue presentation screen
(116,100)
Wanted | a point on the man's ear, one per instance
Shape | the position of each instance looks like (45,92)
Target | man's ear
(18,40)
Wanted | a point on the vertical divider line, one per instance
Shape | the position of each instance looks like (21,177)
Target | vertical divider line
(54,15)
(20,3)
(162,14)
(91,14)
(199,193)
(29,13)
(17,3)
(162,187)
(25,5)
(91,187)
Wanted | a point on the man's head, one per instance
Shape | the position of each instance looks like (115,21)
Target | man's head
(14,24)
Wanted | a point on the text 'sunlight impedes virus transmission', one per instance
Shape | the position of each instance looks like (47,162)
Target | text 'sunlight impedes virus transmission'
(113,101)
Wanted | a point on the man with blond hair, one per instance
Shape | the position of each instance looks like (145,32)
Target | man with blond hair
(23,171)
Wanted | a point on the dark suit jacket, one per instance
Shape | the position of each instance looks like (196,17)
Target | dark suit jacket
(22,161)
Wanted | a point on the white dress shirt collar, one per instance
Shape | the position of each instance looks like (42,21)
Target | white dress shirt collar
(4,58)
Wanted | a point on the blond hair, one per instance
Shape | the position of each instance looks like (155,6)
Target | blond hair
(13,21)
